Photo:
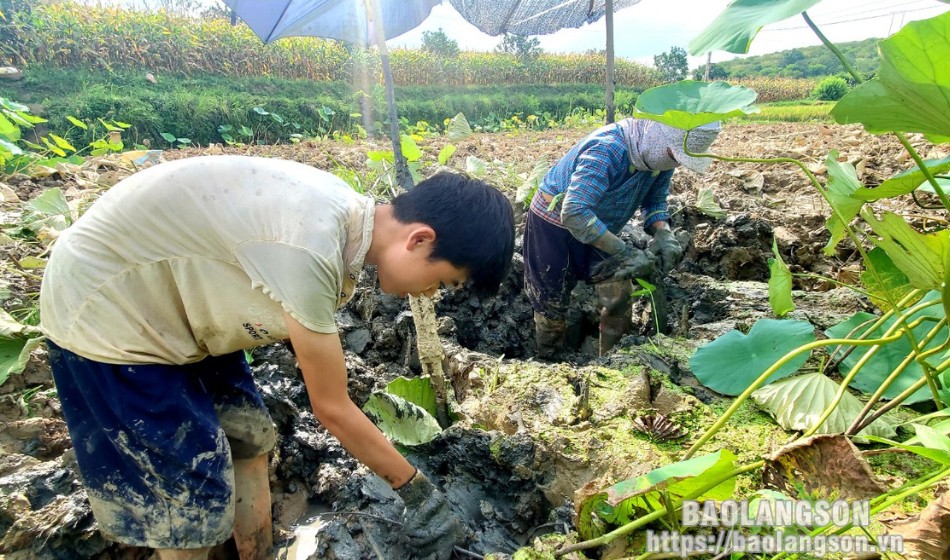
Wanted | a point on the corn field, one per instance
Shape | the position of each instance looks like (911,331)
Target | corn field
(778,89)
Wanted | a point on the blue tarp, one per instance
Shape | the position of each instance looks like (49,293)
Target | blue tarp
(344,20)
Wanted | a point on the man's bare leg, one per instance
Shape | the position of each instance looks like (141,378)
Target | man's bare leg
(253,532)
(183,554)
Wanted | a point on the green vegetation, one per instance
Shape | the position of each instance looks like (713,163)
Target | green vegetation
(672,65)
(898,355)
(196,107)
(525,49)
(805,62)
(791,111)
(439,44)
(831,88)
(68,35)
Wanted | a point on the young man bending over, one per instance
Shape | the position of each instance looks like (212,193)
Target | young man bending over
(150,298)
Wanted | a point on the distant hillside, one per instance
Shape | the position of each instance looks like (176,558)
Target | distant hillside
(806,62)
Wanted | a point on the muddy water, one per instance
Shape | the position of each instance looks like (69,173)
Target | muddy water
(304,541)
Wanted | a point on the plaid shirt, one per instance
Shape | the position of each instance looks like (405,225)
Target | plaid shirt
(600,187)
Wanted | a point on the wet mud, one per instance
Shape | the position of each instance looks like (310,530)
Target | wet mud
(535,436)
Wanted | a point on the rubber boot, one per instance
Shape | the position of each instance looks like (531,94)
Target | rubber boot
(549,335)
(616,313)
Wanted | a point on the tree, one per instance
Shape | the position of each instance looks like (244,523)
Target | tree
(792,57)
(218,11)
(673,65)
(716,72)
(439,44)
(525,48)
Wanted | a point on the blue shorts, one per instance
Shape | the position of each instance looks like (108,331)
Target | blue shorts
(154,443)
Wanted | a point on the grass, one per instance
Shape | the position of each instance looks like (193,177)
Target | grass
(792,111)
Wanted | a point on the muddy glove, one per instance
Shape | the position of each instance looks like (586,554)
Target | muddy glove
(431,527)
(624,262)
(628,263)
(667,250)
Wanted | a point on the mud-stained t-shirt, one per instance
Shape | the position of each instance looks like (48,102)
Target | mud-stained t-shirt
(201,256)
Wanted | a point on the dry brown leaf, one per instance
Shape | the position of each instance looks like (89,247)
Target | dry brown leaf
(7,194)
(752,180)
(928,538)
(859,167)
(829,466)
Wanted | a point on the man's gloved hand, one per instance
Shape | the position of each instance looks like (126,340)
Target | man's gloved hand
(625,264)
(431,527)
(667,250)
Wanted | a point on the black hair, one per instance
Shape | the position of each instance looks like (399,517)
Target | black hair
(473,222)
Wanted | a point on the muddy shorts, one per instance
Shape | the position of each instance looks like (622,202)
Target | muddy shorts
(154,444)
(554,260)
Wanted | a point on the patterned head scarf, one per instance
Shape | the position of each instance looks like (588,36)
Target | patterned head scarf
(648,142)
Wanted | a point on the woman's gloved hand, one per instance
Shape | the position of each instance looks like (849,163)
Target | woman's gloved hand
(667,250)
(628,263)
(429,524)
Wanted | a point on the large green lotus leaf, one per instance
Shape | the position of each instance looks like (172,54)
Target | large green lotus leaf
(8,149)
(934,445)
(942,427)
(872,375)
(409,148)
(942,182)
(14,354)
(883,280)
(619,503)
(706,203)
(458,128)
(417,390)
(401,421)
(842,183)
(689,104)
(918,255)
(476,166)
(733,30)
(9,130)
(446,153)
(11,328)
(780,284)
(730,364)
(904,182)
(52,202)
(912,90)
(531,183)
(797,403)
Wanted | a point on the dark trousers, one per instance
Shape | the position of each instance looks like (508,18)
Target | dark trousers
(554,260)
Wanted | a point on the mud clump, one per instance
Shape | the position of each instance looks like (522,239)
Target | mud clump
(502,325)
(44,513)
(492,483)
(738,248)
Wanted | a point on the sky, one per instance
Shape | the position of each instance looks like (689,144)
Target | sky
(654,26)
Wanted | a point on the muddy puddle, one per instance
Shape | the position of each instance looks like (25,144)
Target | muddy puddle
(534,436)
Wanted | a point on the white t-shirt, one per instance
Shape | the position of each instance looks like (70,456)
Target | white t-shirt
(201,256)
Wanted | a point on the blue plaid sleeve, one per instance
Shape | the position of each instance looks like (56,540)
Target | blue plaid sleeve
(589,183)
(654,208)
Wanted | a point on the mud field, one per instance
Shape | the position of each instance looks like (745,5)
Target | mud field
(534,434)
